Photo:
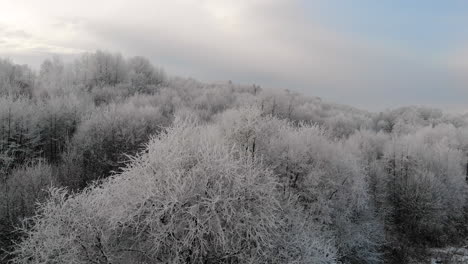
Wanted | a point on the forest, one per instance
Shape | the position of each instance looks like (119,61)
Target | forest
(107,159)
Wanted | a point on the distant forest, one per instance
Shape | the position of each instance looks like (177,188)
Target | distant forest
(108,159)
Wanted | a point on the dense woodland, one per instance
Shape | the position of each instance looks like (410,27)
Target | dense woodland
(109,160)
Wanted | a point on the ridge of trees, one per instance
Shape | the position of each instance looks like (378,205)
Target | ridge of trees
(109,160)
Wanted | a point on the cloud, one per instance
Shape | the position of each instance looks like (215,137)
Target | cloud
(17,34)
(20,42)
(275,43)
(458,60)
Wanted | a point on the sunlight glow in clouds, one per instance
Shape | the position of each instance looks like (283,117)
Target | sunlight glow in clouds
(225,13)
(345,53)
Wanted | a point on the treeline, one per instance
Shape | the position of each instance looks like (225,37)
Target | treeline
(150,168)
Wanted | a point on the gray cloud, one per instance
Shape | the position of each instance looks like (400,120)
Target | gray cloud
(351,75)
(17,34)
(272,43)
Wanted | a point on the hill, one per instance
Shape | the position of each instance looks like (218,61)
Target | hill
(111,160)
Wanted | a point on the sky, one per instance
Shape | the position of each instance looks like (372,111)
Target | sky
(365,53)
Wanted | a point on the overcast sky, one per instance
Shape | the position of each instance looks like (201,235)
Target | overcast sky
(366,53)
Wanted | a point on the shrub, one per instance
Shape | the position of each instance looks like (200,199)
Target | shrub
(324,175)
(104,139)
(20,192)
(188,198)
(426,189)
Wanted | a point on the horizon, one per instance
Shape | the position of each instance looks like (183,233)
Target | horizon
(372,56)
